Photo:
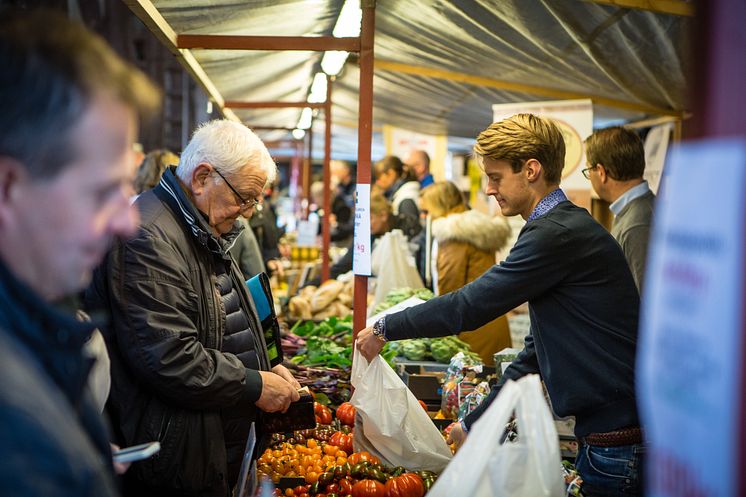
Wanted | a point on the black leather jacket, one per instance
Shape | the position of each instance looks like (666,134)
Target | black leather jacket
(170,379)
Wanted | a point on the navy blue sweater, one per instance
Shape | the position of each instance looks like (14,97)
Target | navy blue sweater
(583,305)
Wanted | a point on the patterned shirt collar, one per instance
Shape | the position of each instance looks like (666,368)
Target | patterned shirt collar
(547,204)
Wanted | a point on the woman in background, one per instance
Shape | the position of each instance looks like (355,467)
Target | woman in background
(464,246)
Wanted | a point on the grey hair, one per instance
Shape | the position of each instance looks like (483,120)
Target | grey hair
(229,147)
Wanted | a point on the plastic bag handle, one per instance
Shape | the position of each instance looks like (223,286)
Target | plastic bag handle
(359,365)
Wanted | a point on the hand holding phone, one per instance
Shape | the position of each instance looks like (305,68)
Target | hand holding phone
(136,452)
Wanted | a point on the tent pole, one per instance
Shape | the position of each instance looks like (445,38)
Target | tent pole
(326,229)
(365,136)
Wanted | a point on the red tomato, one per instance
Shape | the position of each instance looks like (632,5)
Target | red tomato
(368,488)
(345,487)
(342,441)
(346,414)
(406,485)
(323,414)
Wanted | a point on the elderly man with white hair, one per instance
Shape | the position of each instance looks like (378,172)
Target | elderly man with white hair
(191,365)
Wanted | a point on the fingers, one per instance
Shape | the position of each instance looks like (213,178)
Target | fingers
(369,344)
(277,393)
(120,468)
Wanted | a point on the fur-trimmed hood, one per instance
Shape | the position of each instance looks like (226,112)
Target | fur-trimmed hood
(484,232)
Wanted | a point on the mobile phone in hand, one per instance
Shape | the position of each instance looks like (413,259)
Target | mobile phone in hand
(137,452)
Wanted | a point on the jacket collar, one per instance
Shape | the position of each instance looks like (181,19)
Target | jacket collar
(52,335)
(174,194)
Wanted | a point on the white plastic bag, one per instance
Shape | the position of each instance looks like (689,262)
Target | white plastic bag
(390,423)
(393,265)
(528,467)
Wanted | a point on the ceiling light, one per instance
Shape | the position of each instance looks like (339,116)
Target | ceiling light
(348,22)
(305,119)
(333,62)
(318,89)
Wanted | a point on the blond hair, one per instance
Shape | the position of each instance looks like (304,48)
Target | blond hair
(379,205)
(523,137)
(442,198)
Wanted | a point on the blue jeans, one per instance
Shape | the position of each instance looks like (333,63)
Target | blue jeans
(611,471)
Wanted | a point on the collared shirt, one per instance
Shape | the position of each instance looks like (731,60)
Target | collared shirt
(427,180)
(628,196)
(547,204)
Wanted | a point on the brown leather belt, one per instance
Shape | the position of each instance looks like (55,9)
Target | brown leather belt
(625,436)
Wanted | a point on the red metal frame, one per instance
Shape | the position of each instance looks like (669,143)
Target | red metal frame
(365,136)
(326,228)
(242,42)
(234,104)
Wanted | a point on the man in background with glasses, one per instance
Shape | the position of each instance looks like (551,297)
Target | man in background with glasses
(616,159)
(191,365)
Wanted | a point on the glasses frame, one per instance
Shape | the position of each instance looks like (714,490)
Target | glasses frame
(587,171)
(245,204)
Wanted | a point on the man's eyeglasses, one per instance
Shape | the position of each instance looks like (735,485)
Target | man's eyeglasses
(245,204)
(587,172)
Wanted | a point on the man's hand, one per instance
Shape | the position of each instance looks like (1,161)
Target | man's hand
(456,436)
(287,375)
(369,344)
(277,393)
(120,468)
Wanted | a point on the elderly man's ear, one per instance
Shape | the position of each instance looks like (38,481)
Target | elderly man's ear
(200,175)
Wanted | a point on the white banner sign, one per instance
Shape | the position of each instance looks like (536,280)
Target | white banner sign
(401,142)
(361,245)
(575,120)
(656,146)
(690,364)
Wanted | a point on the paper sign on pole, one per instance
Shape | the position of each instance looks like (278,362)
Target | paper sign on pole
(690,364)
(361,245)
(656,146)
(575,120)
(401,142)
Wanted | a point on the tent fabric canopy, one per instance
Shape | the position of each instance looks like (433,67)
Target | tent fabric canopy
(580,47)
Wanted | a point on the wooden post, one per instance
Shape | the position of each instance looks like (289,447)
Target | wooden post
(364,138)
(326,228)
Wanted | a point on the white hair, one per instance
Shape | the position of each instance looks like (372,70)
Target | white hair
(229,147)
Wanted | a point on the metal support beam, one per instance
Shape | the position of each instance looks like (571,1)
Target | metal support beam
(241,42)
(326,228)
(364,138)
(673,7)
(268,128)
(307,171)
(234,104)
(385,65)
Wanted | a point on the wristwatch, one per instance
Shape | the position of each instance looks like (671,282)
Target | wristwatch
(379,329)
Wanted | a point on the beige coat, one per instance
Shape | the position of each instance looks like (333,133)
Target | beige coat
(467,243)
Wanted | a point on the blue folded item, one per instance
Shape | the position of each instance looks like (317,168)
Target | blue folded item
(261,294)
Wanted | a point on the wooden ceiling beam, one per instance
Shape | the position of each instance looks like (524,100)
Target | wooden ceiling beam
(242,42)
(672,7)
(385,65)
(149,15)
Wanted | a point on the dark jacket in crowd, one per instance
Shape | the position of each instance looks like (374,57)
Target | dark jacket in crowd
(185,347)
(263,223)
(53,441)
(343,205)
(583,306)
